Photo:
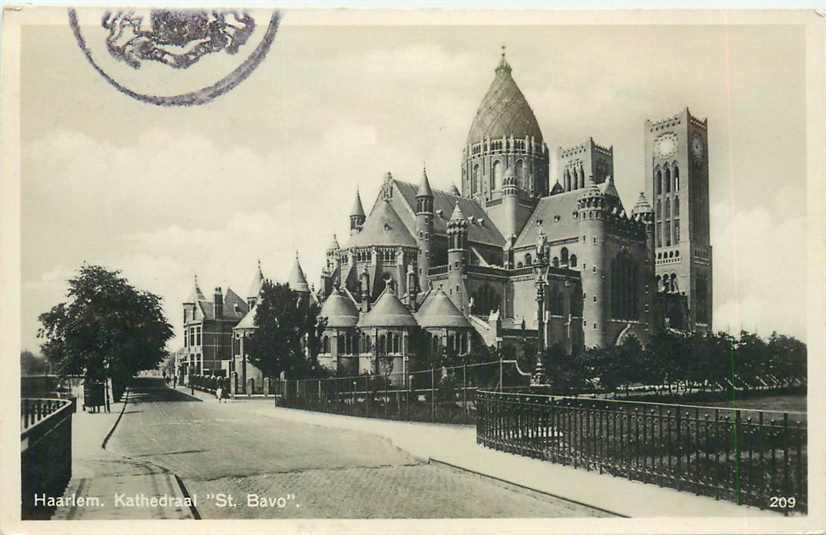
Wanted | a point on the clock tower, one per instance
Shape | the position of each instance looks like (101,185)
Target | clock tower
(676,166)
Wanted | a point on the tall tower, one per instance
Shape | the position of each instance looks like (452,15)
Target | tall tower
(505,135)
(424,228)
(580,161)
(456,256)
(676,155)
(592,210)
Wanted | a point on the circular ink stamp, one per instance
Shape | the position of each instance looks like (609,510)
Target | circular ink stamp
(170,57)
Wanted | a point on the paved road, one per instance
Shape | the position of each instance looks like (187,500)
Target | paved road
(318,472)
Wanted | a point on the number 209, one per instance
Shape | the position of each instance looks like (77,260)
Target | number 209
(782,502)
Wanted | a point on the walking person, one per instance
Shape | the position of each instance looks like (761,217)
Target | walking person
(219,391)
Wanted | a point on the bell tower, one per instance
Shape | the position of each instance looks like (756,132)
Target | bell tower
(676,159)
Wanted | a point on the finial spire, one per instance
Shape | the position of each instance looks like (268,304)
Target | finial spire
(503,67)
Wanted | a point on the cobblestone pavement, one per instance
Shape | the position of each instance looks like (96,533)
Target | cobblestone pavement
(319,472)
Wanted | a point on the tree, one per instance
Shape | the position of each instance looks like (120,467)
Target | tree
(107,330)
(288,333)
(31,364)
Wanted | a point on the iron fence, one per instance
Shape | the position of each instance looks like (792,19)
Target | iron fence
(747,456)
(446,395)
(45,453)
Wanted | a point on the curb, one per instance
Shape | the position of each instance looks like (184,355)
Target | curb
(517,486)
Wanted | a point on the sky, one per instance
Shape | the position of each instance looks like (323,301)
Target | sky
(271,168)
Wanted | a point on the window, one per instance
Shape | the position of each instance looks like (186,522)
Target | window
(624,288)
(519,171)
(496,175)
(676,206)
(528,260)
(567,180)
(659,210)
(396,343)
(668,234)
(658,180)
(197,336)
(676,177)
(667,209)
(564,255)
(556,262)
(474,179)
(341,348)
(677,234)
(674,287)
(573,261)
(667,180)
(659,235)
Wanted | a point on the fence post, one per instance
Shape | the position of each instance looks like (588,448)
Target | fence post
(501,373)
(409,395)
(432,394)
(464,386)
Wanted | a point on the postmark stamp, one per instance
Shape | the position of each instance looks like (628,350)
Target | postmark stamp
(176,40)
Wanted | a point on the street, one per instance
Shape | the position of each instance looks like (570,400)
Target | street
(278,468)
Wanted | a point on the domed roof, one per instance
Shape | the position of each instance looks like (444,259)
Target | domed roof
(504,111)
(439,311)
(339,310)
(388,311)
(297,280)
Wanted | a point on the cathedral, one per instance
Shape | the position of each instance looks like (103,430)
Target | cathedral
(510,256)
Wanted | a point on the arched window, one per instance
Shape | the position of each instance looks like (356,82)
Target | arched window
(659,234)
(555,262)
(674,287)
(354,343)
(624,287)
(380,345)
(435,344)
(573,261)
(658,281)
(567,180)
(676,206)
(658,210)
(340,345)
(325,345)
(667,234)
(658,179)
(667,180)
(564,256)
(474,179)
(667,209)
(676,177)
(396,343)
(556,302)
(528,259)
(496,175)
(519,171)
(677,234)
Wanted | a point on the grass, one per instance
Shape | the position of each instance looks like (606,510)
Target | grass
(786,402)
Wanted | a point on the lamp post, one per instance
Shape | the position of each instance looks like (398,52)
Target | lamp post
(538,377)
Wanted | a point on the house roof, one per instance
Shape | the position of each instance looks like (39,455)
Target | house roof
(504,111)
(388,311)
(248,321)
(339,310)
(384,227)
(234,306)
(563,206)
(480,230)
(439,311)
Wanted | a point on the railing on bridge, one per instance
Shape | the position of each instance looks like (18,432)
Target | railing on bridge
(435,395)
(45,452)
(746,456)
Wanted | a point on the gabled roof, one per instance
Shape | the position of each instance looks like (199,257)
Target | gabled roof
(383,227)
(484,233)
(563,205)
(234,306)
(248,321)
(504,111)
(339,310)
(439,311)
(388,311)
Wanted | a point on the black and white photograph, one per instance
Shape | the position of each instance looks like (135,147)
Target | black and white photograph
(423,271)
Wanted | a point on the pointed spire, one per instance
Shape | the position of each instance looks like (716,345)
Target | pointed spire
(457,215)
(642,206)
(297,280)
(424,185)
(257,283)
(453,190)
(333,244)
(358,209)
(503,67)
(196,294)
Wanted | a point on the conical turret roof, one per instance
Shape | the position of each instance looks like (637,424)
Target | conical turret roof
(333,244)
(297,280)
(339,310)
(358,209)
(504,110)
(388,311)
(439,311)
(196,294)
(457,215)
(257,283)
(424,186)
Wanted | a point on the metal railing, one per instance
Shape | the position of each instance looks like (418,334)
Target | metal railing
(45,453)
(746,456)
(446,395)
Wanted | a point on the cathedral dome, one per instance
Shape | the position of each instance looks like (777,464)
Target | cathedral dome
(504,111)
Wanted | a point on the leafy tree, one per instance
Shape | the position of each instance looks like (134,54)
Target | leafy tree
(787,358)
(31,364)
(288,333)
(107,330)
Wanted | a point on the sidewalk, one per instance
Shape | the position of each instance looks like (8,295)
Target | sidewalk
(103,474)
(457,446)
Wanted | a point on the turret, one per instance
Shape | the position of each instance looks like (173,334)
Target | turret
(297,280)
(357,216)
(412,287)
(644,212)
(456,256)
(592,213)
(510,205)
(255,287)
(424,229)
(364,280)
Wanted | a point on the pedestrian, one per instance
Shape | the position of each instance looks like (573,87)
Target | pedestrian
(175,381)
(219,392)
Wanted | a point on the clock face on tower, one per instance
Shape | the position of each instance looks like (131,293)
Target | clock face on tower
(666,145)
(698,148)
